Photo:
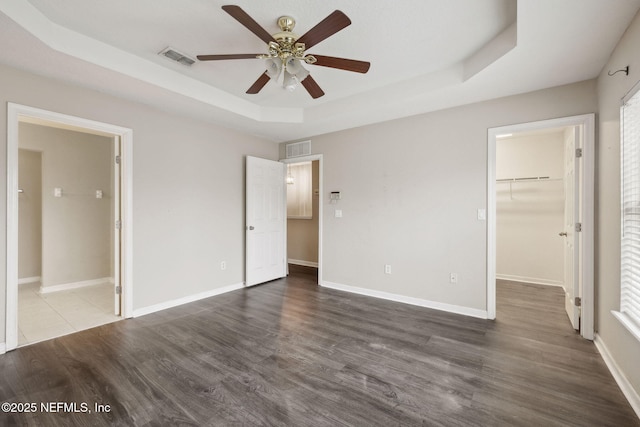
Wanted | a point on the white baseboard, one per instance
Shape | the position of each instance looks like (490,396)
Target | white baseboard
(185,300)
(627,389)
(74,285)
(26,280)
(3,348)
(534,280)
(473,312)
(303,263)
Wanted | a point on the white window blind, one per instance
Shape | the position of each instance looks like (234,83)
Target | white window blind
(630,198)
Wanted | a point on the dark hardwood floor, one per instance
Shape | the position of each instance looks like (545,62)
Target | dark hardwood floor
(288,353)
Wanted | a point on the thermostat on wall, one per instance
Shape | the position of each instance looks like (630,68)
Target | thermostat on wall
(334,196)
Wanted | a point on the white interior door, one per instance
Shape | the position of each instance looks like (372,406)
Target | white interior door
(265,221)
(571,215)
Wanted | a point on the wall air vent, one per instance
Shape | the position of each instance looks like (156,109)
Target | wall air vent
(298,149)
(174,55)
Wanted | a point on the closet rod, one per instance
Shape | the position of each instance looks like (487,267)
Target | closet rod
(511,181)
(530,178)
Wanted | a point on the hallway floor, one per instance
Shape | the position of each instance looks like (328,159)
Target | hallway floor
(45,316)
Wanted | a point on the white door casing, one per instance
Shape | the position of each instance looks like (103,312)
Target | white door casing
(265,221)
(585,199)
(17,113)
(319,159)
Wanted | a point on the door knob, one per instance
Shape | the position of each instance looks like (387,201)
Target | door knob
(564,233)
(251,227)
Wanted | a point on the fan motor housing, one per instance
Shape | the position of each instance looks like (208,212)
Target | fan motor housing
(286,37)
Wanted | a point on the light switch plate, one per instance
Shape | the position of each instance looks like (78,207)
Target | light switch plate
(338,213)
(482,214)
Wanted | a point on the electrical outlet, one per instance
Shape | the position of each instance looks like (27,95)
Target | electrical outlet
(453,277)
(387,269)
(223,265)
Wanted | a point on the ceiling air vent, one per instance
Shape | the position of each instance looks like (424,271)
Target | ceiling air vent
(297,149)
(174,55)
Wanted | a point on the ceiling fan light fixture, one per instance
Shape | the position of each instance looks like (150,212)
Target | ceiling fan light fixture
(274,67)
(286,51)
(290,81)
(294,73)
(292,65)
(302,74)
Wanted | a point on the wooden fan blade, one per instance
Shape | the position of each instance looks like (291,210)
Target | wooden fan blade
(324,29)
(232,56)
(342,64)
(312,87)
(242,17)
(259,84)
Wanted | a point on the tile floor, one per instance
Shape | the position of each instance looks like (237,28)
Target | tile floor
(45,316)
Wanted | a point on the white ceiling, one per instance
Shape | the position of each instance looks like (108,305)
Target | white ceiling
(425,54)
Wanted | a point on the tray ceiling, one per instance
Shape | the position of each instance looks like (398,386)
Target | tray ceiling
(425,54)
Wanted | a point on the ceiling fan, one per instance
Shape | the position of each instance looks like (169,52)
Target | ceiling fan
(287,51)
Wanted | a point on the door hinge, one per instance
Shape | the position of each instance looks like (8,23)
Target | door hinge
(578,226)
(578,302)
(118,290)
(117,160)
(578,152)
(118,225)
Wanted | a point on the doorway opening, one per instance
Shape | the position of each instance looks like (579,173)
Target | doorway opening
(540,212)
(69,224)
(304,215)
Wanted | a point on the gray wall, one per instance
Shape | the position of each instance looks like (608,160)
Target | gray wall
(188,188)
(624,348)
(76,228)
(30,214)
(410,193)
